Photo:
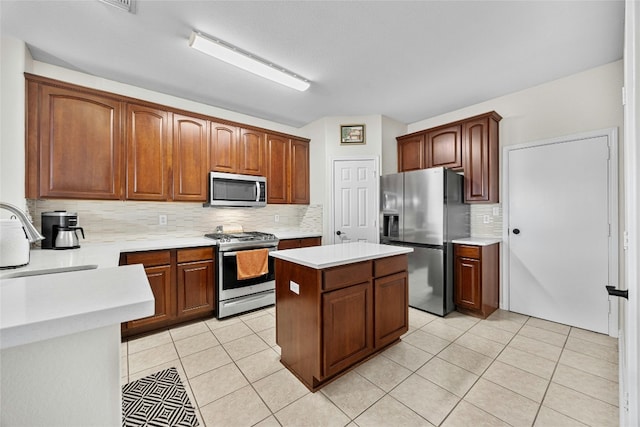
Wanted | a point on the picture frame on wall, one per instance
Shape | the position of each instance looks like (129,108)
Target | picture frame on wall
(352,134)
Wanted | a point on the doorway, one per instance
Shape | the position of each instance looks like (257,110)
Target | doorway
(355,200)
(560,230)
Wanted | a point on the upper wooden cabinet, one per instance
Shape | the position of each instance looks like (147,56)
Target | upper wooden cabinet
(299,182)
(83,143)
(480,136)
(224,142)
(148,153)
(190,158)
(411,153)
(74,144)
(278,171)
(237,150)
(469,145)
(444,147)
(287,170)
(251,152)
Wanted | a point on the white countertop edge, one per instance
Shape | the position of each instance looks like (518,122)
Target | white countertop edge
(321,257)
(477,241)
(51,312)
(284,235)
(55,328)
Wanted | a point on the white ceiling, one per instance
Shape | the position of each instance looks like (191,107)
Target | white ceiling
(405,60)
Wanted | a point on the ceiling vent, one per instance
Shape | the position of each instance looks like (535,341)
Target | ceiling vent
(127,5)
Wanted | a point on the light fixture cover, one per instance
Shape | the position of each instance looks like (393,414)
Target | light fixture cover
(247,61)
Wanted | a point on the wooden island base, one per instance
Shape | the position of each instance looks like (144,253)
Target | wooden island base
(329,320)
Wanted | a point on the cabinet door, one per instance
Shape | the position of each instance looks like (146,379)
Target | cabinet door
(148,153)
(160,280)
(391,308)
(444,147)
(223,148)
(190,158)
(299,171)
(480,137)
(411,155)
(288,244)
(347,327)
(80,145)
(195,288)
(278,170)
(251,152)
(468,283)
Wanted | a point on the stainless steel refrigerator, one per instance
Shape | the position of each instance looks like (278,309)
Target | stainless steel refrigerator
(425,210)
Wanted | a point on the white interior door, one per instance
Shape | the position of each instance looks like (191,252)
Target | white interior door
(559,209)
(355,199)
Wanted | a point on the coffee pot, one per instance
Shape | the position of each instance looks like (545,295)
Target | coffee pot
(67,238)
(60,230)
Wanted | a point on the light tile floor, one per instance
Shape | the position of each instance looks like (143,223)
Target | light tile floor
(506,370)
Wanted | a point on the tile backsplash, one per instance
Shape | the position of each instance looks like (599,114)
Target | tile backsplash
(486,220)
(111,221)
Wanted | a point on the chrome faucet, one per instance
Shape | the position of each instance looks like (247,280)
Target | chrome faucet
(33,235)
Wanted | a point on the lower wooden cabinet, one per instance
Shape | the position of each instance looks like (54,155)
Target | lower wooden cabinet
(182,282)
(477,281)
(157,265)
(195,279)
(337,317)
(299,243)
(391,296)
(347,326)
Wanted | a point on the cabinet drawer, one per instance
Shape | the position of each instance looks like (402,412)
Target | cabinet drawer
(195,254)
(149,259)
(389,265)
(468,251)
(351,274)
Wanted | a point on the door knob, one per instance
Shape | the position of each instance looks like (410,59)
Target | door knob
(516,231)
(338,232)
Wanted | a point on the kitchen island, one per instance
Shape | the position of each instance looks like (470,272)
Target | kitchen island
(338,305)
(60,343)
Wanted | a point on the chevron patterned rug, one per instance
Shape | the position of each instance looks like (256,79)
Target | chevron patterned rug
(157,400)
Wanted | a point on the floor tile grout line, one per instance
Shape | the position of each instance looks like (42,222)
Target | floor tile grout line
(544,396)
(515,334)
(481,375)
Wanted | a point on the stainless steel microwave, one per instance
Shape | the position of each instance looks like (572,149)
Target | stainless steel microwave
(227,189)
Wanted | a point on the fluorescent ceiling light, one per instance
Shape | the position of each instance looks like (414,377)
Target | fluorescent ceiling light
(242,59)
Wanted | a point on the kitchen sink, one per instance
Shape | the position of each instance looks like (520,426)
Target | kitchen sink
(49,271)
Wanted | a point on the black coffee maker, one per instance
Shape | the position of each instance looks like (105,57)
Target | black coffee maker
(59,230)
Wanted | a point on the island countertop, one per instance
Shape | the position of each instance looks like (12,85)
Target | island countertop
(320,257)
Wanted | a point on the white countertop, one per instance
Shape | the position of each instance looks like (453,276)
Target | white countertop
(477,241)
(37,308)
(320,257)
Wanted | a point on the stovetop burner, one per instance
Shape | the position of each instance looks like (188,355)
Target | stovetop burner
(243,240)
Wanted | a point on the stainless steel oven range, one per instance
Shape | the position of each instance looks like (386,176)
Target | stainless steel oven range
(235,296)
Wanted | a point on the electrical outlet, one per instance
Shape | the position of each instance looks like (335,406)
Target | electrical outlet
(486,219)
(162,220)
(496,211)
(276,218)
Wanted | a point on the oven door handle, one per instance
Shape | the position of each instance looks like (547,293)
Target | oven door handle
(225,254)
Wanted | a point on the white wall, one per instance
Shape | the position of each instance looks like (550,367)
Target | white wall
(15,58)
(326,132)
(581,102)
(391,129)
